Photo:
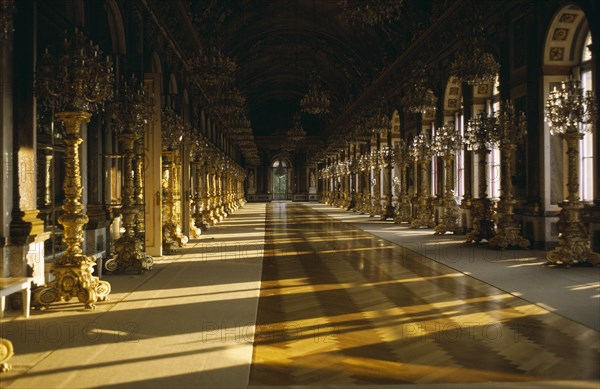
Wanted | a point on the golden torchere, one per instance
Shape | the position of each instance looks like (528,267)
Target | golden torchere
(483,223)
(509,130)
(130,112)
(570,115)
(197,146)
(173,131)
(446,143)
(376,184)
(480,137)
(402,212)
(387,156)
(129,249)
(173,238)
(75,82)
(421,151)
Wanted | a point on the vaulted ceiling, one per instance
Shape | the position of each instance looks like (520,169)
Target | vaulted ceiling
(277,43)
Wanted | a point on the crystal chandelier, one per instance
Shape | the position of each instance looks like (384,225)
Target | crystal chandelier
(473,64)
(228,101)
(280,171)
(296,133)
(371,12)
(316,100)
(475,67)
(418,97)
(378,121)
(212,69)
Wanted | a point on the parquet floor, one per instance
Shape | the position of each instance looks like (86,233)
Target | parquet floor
(339,306)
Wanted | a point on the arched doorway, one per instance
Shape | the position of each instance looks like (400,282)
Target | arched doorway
(280,179)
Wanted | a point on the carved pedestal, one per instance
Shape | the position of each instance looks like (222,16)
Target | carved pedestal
(450,219)
(573,240)
(73,271)
(6,352)
(483,223)
(424,217)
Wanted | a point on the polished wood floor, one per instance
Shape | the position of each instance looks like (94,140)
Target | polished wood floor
(340,306)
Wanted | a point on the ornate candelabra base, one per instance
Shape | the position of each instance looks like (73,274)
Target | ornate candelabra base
(402,213)
(424,217)
(129,254)
(483,225)
(508,232)
(573,242)
(509,236)
(6,352)
(387,212)
(195,231)
(173,238)
(73,281)
(357,202)
(352,203)
(375,206)
(364,204)
(450,219)
(209,216)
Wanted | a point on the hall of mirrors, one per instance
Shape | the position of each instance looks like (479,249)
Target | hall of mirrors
(134,128)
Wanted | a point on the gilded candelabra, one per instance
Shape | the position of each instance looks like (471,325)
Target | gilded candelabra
(207,212)
(360,169)
(196,225)
(376,163)
(570,114)
(346,172)
(509,130)
(422,152)
(76,82)
(221,214)
(479,137)
(172,135)
(353,167)
(402,213)
(131,110)
(387,158)
(446,144)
